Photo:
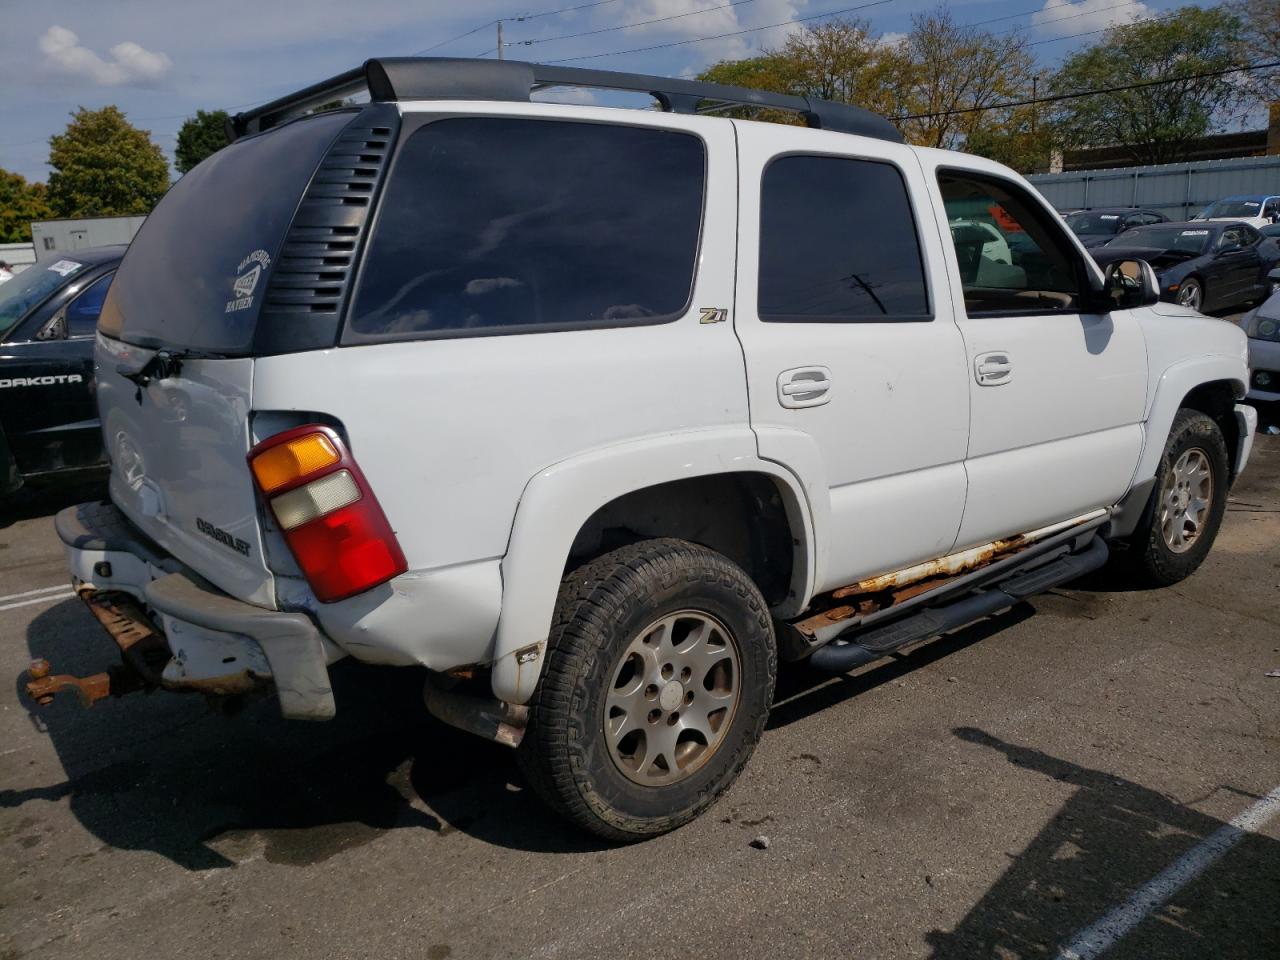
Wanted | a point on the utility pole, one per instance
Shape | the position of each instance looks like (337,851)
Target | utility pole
(1035,107)
(499,39)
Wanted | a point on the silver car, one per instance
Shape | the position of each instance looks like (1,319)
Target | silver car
(1262,324)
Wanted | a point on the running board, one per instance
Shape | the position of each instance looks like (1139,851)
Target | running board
(841,656)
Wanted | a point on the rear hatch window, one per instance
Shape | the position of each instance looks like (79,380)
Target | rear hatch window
(502,225)
(195,274)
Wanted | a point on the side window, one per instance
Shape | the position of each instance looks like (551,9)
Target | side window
(493,225)
(838,243)
(1251,236)
(82,312)
(1150,218)
(1013,258)
(1232,238)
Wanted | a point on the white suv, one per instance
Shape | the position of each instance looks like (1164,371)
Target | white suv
(597,413)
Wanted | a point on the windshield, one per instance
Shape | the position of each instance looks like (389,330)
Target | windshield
(1186,239)
(1093,224)
(1231,208)
(32,287)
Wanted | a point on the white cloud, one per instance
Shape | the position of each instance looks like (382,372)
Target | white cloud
(130,63)
(1063,18)
(890,39)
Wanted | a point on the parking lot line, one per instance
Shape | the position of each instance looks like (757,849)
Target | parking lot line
(48,597)
(1101,936)
(32,593)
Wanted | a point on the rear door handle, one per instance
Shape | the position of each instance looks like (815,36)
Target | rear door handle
(993,369)
(804,387)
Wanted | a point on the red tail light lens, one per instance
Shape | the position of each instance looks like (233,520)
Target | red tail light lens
(329,516)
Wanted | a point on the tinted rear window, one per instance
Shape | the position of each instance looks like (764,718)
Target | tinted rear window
(195,274)
(838,243)
(492,225)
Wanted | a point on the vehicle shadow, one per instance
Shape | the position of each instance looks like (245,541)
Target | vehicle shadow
(1108,840)
(32,500)
(167,774)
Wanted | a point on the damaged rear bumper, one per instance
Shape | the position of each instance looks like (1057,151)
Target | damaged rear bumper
(177,632)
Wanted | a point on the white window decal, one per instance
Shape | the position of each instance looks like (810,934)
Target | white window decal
(64,268)
(247,276)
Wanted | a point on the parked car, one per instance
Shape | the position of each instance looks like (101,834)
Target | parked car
(48,417)
(597,413)
(1258,209)
(1262,326)
(1204,265)
(1096,227)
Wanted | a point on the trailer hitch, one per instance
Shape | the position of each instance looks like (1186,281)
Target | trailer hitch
(143,651)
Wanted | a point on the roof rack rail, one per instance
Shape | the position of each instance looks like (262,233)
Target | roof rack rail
(450,78)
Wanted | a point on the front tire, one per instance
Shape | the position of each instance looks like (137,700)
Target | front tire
(658,681)
(1187,506)
(1191,293)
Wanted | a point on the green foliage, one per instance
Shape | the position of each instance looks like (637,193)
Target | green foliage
(939,68)
(200,136)
(1153,124)
(104,166)
(1261,19)
(954,68)
(20,203)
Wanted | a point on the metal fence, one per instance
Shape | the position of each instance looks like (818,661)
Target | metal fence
(1178,190)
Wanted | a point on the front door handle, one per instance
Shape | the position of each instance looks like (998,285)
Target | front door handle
(993,369)
(804,387)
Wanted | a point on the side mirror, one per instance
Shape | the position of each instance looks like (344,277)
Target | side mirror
(1274,275)
(55,328)
(1130,283)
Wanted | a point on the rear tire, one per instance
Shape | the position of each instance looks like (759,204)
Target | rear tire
(1187,505)
(658,681)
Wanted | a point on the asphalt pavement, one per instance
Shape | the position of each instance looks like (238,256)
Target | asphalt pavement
(1090,770)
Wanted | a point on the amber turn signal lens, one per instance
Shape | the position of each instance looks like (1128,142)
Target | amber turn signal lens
(281,465)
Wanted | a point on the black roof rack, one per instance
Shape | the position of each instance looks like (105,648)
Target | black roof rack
(448,78)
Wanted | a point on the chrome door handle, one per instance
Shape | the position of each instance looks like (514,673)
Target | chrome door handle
(993,369)
(804,387)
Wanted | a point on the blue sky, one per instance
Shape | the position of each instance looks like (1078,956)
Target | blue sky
(160,61)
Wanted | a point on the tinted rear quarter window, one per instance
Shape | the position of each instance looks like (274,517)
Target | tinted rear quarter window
(496,225)
(838,243)
(189,280)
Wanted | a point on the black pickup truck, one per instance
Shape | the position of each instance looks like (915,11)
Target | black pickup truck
(48,414)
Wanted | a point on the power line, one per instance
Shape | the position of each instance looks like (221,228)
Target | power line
(819,16)
(721,36)
(517,19)
(628,26)
(442,43)
(1055,98)
(1090,33)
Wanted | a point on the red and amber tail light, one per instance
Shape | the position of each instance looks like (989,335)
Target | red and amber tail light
(329,516)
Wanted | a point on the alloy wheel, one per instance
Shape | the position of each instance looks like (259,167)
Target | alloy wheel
(672,700)
(1185,500)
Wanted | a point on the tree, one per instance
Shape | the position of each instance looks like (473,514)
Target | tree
(1261,43)
(955,68)
(104,166)
(1154,123)
(200,136)
(20,203)
(934,74)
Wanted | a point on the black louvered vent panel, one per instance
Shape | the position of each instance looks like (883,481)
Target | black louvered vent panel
(312,275)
